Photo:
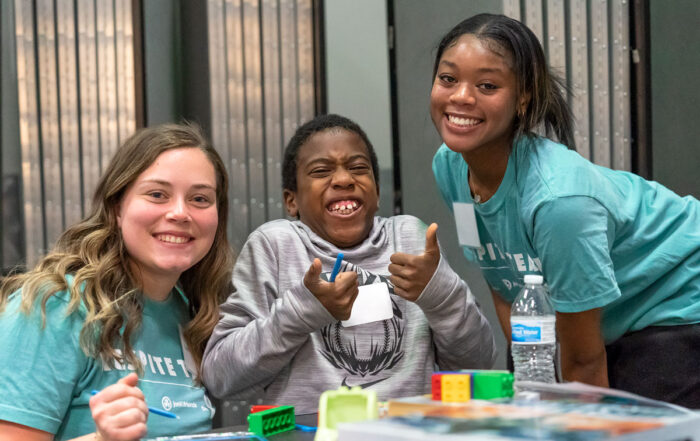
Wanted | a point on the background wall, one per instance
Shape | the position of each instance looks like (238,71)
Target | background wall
(357,77)
(162,61)
(11,233)
(8,94)
(675,92)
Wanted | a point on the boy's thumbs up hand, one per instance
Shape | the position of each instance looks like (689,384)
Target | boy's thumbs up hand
(337,297)
(410,273)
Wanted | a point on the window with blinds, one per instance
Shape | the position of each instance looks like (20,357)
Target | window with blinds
(587,43)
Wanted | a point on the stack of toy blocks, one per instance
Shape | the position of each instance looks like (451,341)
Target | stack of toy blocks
(461,386)
(455,387)
(271,421)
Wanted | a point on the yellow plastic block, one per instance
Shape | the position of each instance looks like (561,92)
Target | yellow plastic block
(456,388)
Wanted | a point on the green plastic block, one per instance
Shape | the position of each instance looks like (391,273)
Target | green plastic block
(271,421)
(488,385)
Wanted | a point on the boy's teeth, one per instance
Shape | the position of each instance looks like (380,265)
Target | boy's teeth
(346,207)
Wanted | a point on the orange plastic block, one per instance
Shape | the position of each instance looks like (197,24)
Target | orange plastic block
(455,388)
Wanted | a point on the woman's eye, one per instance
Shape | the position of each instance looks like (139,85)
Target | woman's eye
(447,78)
(488,86)
(157,194)
(202,200)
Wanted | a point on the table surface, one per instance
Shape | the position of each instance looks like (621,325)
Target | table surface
(688,430)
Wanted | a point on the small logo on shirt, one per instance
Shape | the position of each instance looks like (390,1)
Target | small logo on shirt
(167,403)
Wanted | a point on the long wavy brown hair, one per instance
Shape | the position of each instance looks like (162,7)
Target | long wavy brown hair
(93,253)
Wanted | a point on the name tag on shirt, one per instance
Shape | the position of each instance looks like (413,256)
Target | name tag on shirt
(372,304)
(465,219)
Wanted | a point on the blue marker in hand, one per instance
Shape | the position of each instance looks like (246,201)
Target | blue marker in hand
(154,410)
(336,267)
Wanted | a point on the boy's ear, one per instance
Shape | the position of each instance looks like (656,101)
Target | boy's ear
(290,202)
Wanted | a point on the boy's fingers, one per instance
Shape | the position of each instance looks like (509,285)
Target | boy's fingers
(400,258)
(398,282)
(431,242)
(314,271)
(396,270)
(354,296)
(346,279)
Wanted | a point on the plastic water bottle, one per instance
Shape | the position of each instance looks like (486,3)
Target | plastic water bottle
(532,323)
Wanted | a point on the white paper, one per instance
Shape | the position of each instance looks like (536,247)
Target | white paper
(465,219)
(371,304)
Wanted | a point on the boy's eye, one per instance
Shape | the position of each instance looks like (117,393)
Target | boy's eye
(317,172)
(359,168)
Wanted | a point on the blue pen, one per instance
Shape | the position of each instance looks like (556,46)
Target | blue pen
(154,410)
(305,428)
(336,267)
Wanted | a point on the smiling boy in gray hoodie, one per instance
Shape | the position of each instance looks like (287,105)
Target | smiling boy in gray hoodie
(280,335)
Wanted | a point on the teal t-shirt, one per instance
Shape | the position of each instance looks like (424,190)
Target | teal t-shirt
(46,378)
(600,237)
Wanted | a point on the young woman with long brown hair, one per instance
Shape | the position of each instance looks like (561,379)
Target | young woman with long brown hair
(124,303)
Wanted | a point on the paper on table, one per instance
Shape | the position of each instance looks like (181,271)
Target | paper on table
(574,387)
(371,304)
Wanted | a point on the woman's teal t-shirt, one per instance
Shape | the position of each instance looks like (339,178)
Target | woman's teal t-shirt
(601,238)
(47,379)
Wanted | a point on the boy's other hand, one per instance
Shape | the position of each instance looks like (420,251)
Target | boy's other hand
(410,273)
(337,297)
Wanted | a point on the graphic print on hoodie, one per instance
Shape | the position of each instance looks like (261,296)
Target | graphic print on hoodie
(365,352)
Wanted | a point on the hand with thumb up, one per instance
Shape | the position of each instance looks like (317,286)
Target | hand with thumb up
(411,273)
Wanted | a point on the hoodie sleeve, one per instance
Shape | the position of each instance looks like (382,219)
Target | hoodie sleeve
(461,333)
(260,329)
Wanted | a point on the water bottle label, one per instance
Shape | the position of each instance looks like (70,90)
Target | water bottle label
(532,330)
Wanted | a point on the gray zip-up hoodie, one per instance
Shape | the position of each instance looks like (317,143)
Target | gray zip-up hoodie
(276,341)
